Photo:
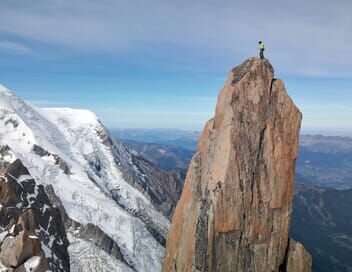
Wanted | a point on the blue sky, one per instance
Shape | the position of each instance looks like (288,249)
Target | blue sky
(161,64)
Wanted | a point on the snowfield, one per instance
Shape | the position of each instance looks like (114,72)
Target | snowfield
(63,147)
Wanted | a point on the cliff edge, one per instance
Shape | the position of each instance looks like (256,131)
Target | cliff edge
(235,210)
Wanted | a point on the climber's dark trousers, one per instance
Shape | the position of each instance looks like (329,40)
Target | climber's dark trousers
(261,53)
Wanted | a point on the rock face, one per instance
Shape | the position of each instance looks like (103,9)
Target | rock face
(298,258)
(32,234)
(235,209)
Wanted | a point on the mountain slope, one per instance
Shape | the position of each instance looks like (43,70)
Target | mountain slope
(234,212)
(71,151)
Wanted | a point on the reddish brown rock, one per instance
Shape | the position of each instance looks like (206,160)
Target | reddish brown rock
(298,258)
(7,192)
(16,249)
(234,212)
(29,224)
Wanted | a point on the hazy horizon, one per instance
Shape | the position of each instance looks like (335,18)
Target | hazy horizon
(340,133)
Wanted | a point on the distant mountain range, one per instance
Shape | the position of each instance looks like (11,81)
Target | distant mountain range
(322,160)
(165,156)
(325,161)
(170,137)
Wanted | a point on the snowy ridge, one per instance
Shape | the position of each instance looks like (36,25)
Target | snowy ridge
(94,190)
(82,129)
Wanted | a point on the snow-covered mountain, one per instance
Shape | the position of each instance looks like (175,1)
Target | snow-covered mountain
(115,204)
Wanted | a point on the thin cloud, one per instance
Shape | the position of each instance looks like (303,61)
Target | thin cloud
(14,47)
(298,44)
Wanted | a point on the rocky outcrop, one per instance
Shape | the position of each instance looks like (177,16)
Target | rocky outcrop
(298,258)
(58,161)
(32,235)
(235,209)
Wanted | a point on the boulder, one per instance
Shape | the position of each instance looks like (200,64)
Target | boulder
(34,264)
(17,249)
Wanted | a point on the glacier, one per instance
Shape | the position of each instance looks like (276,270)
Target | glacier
(64,148)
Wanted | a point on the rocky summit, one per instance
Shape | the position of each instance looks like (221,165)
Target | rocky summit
(235,210)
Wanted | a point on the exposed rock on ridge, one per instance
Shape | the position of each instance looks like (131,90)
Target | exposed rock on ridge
(32,235)
(235,210)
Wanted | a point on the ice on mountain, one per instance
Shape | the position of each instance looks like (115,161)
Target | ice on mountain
(94,191)
(32,263)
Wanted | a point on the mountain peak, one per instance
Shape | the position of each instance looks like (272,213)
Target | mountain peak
(235,208)
(114,204)
(250,65)
(250,83)
(5,91)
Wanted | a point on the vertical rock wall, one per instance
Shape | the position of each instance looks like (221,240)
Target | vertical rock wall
(235,210)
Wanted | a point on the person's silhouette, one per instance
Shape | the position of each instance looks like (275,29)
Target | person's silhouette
(261,49)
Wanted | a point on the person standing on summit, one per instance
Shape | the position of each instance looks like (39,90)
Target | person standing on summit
(261,49)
